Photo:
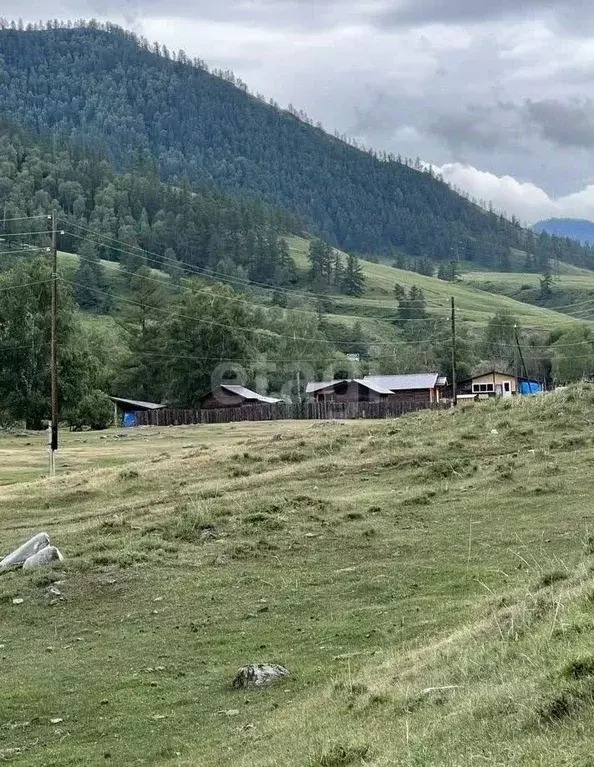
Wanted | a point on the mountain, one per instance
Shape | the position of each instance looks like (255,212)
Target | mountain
(575,228)
(104,89)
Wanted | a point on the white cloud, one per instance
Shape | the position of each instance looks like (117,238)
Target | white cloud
(525,200)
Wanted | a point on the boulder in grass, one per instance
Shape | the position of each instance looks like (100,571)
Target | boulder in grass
(44,557)
(258,675)
(28,549)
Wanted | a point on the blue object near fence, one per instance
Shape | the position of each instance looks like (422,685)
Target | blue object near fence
(129,419)
(530,387)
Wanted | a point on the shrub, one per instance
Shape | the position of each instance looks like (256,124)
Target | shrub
(95,409)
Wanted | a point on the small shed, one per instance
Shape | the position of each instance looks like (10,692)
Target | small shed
(127,408)
(231,395)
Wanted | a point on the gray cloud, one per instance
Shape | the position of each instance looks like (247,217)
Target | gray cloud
(567,13)
(566,124)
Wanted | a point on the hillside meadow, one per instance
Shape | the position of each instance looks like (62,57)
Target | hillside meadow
(426,580)
(474,305)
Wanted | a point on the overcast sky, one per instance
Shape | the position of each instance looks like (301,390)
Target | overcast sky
(497,94)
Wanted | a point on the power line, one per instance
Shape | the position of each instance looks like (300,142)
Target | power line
(25,218)
(135,250)
(21,234)
(23,285)
(237,299)
(202,271)
(159,280)
(28,249)
(273,334)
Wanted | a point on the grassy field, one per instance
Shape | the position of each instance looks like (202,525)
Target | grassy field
(474,304)
(378,561)
(572,293)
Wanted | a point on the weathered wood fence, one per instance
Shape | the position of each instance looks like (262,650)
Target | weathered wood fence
(283,411)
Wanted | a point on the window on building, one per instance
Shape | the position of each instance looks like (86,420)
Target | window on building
(483,387)
(506,386)
(476,387)
(490,387)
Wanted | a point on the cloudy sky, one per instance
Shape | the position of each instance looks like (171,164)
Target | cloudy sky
(497,94)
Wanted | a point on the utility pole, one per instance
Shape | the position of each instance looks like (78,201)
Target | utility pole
(454,393)
(54,348)
(520,352)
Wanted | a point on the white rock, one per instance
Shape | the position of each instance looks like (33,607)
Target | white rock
(32,546)
(258,675)
(43,558)
(17,601)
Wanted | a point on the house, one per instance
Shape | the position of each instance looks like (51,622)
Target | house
(494,383)
(421,388)
(231,395)
(125,408)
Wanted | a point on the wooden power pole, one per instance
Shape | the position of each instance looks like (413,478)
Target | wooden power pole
(454,394)
(54,348)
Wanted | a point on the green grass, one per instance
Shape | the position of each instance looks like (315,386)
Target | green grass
(474,305)
(573,293)
(373,559)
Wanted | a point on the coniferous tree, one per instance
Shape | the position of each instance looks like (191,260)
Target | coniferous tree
(353,281)
(91,289)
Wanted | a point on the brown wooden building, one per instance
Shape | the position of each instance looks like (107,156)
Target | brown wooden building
(230,395)
(421,388)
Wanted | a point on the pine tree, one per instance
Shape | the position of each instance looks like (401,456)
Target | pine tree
(338,271)
(417,304)
(353,281)
(91,285)
(320,259)
(546,286)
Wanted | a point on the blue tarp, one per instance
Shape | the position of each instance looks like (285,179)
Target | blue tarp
(129,419)
(530,387)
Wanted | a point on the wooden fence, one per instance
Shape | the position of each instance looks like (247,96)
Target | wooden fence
(310,411)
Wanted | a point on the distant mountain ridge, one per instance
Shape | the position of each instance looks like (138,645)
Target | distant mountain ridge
(103,90)
(579,229)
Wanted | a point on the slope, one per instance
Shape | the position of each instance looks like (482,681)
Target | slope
(570,293)
(106,90)
(474,304)
(375,560)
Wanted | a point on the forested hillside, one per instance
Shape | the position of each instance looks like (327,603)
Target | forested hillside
(232,236)
(106,90)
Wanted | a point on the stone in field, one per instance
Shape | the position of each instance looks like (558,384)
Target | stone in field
(28,549)
(258,675)
(43,558)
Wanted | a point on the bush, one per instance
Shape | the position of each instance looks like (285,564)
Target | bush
(94,409)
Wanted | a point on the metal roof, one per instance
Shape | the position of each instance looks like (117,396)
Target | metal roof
(241,391)
(405,382)
(373,385)
(313,386)
(136,403)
